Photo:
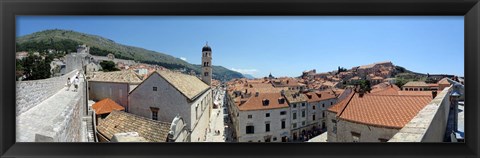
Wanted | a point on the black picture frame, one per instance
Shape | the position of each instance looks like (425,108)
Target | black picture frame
(9,9)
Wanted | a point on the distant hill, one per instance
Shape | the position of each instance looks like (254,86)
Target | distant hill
(248,76)
(67,40)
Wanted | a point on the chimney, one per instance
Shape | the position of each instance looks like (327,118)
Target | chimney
(434,94)
(265,102)
(246,90)
(282,93)
(361,93)
(256,94)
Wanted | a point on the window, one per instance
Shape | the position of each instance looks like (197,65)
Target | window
(250,129)
(331,103)
(323,114)
(323,105)
(382,140)
(313,117)
(205,74)
(267,127)
(249,116)
(294,105)
(294,125)
(294,115)
(355,137)
(313,107)
(303,123)
(267,115)
(303,104)
(154,111)
(283,124)
(303,113)
(196,111)
(283,112)
(154,88)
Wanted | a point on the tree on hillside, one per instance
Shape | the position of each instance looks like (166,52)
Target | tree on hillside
(108,66)
(400,82)
(35,67)
(365,85)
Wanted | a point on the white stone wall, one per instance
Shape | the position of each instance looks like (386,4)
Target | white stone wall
(367,133)
(320,108)
(68,125)
(298,120)
(118,92)
(170,103)
(70,128)
(330,122)
(259,120)
(32,93)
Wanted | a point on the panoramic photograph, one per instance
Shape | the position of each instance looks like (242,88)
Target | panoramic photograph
(240,79)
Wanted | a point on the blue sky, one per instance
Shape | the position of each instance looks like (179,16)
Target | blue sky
(282,45)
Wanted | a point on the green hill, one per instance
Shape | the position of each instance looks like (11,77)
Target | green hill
(67,40)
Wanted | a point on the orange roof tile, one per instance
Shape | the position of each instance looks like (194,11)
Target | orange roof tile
(319,96)
(106,106)
(392,111)
(256,103)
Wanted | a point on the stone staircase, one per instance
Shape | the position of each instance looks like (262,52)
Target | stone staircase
(90,131)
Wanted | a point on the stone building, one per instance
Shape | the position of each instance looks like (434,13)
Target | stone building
(416,86)
(114,85)
(298,110)
(373,117)
(263,117)
(318,103)
(79,59)
(207,64)
(164,95)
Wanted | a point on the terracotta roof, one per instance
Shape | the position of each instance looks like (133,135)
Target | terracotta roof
(416,84)
(377,78)
(256,103)
(392,111)
(106,106)
(295,96)
(444,81)
(339,106)
(319,96)
(122,122)
(190,86)
(117,76)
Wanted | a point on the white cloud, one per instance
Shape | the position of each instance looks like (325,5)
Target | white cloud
(245,71)
(183,58)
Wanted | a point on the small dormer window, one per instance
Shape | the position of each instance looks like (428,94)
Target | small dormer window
(154,88)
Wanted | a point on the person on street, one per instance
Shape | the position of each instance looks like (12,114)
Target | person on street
(76,82)
(68,84)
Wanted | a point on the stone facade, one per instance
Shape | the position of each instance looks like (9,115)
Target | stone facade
(170,103)
(259,121)
(346,130)
(320,108)
(32,93)
(118,92)
(207,65)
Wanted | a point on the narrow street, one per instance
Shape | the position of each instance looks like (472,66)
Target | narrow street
(217,124)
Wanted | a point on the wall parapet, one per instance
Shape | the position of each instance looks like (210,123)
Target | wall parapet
(429,124)
(31,93)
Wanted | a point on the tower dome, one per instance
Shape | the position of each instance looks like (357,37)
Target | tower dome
(206,48)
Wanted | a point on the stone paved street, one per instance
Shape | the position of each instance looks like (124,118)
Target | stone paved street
(217,120)
(45,118)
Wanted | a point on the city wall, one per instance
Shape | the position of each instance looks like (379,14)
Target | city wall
(429,124)
(67,125)
(32,93)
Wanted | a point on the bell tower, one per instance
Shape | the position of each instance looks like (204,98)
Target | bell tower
(207,64)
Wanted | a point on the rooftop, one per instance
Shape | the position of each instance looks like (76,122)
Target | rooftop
(122,122)
(256,102)
(117,76)
(106,106)
(416,84)
(190,86)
